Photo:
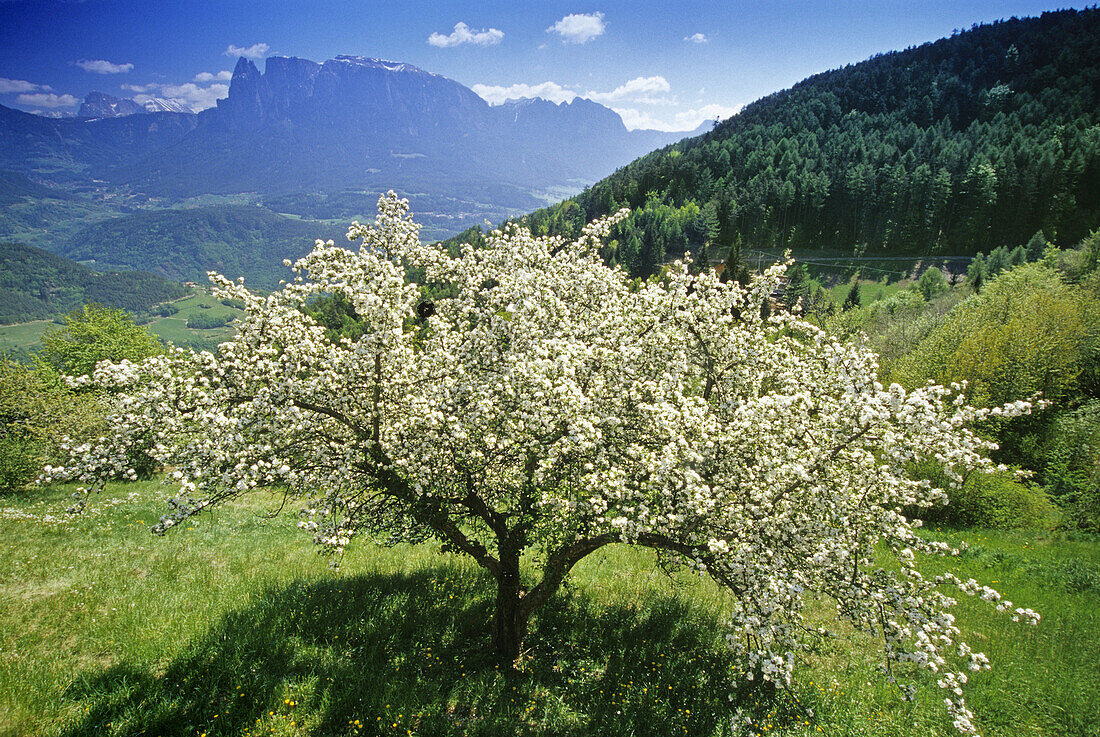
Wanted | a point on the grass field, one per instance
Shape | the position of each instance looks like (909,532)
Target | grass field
(235,626)
(24,338)
(174,328)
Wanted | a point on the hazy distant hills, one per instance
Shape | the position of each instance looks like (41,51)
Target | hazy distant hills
(316,141)
(354,122)
(350,122)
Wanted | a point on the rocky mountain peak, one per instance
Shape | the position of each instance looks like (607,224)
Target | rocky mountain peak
(101,105)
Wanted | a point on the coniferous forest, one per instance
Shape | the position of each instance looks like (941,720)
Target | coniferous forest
(955,147)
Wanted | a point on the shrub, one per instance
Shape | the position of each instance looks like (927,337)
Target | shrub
(202,321)
(95,333)
(36,412)
(1027,332)
(1071,458)
(932,283)
(994,501)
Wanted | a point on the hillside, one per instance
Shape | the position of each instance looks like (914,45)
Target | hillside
(954,147)
(36,284)
(185,244)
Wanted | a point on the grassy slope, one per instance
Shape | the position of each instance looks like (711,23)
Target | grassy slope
(24,338)
(174,328)
(236,626)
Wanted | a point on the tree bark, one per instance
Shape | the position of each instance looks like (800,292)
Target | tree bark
(509,619)
(510,615)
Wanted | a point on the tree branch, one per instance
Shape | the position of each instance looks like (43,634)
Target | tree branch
(562,561)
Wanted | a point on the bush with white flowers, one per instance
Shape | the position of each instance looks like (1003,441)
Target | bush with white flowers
(543,402)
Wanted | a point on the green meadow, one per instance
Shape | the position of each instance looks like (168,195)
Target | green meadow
(234,625)
(22,339)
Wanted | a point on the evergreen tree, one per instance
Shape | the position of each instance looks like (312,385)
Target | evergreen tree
(735,268)
(797,284)
(977,279)
(1036,246)
(853,298)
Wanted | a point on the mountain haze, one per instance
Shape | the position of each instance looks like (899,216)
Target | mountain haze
(313,141)
(348,123)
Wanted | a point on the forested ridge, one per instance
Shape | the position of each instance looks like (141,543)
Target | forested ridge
(36,284)
(959,146)
(186,243)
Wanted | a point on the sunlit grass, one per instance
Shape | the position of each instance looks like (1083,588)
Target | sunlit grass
(238,627)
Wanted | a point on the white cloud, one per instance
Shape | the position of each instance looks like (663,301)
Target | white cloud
(204,77)
(640,90)
(196,95)
(495,95)
(8,86)
(686,120)
(188,94)
(47,99)
(646,90)
(579,28)
(462,34)
(140,87)
(255,51)
(697,38)
(102,66)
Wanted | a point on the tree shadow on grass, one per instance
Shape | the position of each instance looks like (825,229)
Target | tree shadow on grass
(400,654)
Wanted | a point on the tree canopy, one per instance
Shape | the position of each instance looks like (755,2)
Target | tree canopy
(94,333)
(541,405)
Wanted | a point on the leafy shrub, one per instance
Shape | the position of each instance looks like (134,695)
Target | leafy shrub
(1071,458)
(36,412)
(932,283)
(995,501)
(95,333)
(167,309)
(1000,502)
(1026,332)
(202,321)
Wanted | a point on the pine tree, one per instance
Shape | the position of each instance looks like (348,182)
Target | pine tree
(853,298)
(976,280)
(735,267)
(796,286)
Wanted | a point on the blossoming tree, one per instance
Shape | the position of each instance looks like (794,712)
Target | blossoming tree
(543,403)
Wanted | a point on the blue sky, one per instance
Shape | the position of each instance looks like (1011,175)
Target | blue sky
(665,65)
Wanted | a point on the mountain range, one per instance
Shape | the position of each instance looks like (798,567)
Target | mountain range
(321,140)
(101,105)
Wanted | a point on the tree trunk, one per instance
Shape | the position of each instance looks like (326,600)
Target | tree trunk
(509,618)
